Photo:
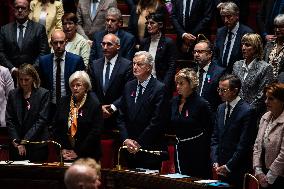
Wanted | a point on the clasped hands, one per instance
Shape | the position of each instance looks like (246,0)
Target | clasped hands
(262,179)
(69,155)
(107,111)
(21,148)
(132,146)
(220,170)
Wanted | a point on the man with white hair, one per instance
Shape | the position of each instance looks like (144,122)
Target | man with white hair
(142,114)
(227,49)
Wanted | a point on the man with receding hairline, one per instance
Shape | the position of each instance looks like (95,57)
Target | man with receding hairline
(22,41)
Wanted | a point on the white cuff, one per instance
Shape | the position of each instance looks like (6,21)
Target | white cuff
(227,168)
(271,177)
(113,107)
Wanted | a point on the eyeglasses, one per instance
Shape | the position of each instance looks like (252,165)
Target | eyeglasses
(219,90)
(108,44)
(18,8)
(200,51)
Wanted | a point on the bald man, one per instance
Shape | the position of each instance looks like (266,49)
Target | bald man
(83,174)
(109,75)
(56,68)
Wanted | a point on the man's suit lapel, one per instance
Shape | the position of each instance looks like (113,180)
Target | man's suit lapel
(208,78)
(221,120)
(114,72)
(49,68)
(14,34)
(223,33)
(28,33)
(236,47)
(232,117)
(99,72)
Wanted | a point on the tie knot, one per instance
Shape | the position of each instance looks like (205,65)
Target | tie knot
(21,26)
(58,60)
(201,71)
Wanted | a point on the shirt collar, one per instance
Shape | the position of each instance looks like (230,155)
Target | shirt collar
(206,68)
(113,60)
(235,29)
(24,24)
(249,66)
(234,102)
(62,57)
(145,83)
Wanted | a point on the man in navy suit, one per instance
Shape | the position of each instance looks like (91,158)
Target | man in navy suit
(109,76)
(113,23)
(191,18)
(142,114)
(208,73)
(227,49)
(55,78)
(234,133)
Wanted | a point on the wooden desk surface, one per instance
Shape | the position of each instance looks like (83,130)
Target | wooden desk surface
(52,177)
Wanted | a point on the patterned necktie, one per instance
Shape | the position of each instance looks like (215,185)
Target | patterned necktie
(21,36)
(228,45)
(140,88)
(58,80)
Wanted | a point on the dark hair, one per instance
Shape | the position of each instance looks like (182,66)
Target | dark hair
(209,45)
(70,17)
(276,90)
(234,81)
(157,17)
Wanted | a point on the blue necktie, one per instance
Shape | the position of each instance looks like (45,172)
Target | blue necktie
(140,88)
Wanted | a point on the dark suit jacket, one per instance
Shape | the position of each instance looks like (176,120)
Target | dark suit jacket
(210,85)
(200,16)
(90,122)
(144,120)
(165,65)
(264,19)
(121,74)
(33,125)
(34,44)
(127,45)
(72,63)
(236,53)
(231,144)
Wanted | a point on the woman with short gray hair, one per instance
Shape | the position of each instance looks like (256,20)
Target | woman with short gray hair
(78,120)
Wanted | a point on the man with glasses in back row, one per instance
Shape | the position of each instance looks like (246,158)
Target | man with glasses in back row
(22,41)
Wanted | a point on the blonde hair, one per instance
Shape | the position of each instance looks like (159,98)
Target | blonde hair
(28,69)
(255,41)
(149,5)
(89,162)
(189,75)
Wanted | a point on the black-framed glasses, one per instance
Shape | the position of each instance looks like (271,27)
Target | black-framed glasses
(220,90)
(18,8)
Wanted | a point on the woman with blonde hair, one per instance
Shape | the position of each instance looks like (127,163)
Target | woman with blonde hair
(192,121)
(27,117)
(47,13)
(254,73)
